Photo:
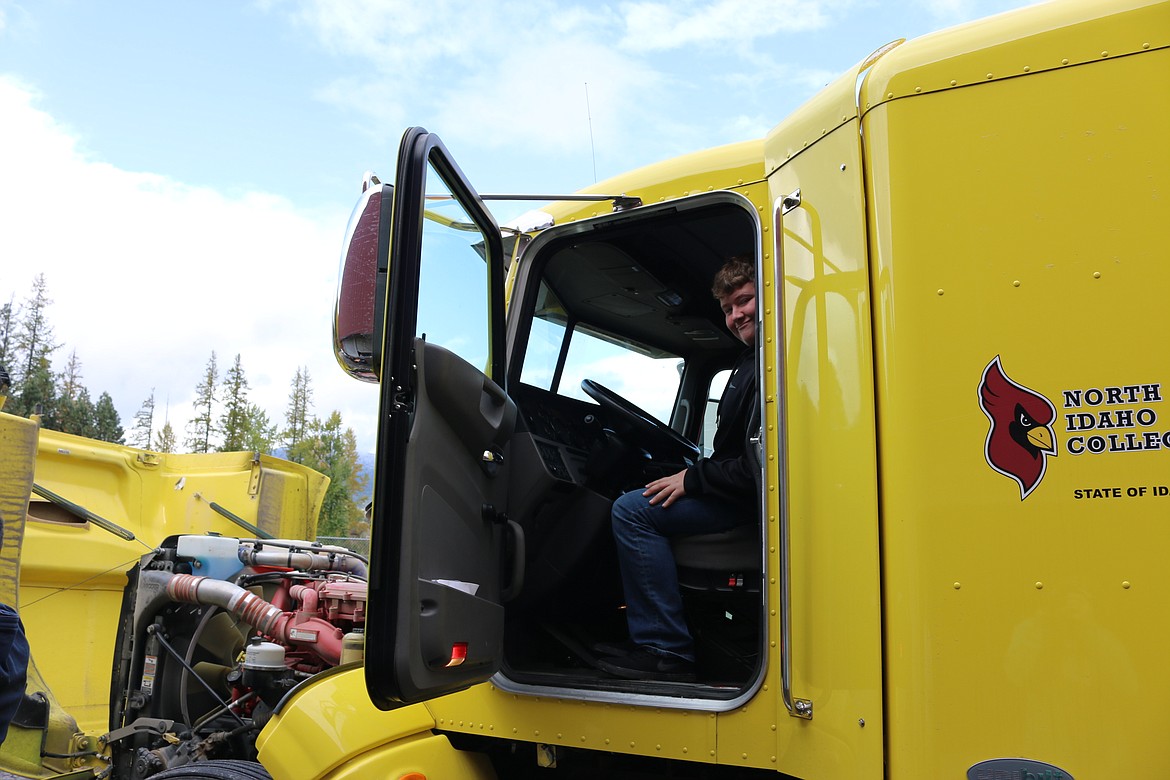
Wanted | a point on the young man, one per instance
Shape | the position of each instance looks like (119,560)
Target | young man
(715,494)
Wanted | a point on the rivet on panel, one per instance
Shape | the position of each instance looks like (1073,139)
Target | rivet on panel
(1027,69)
(940,291)
(990,76)
(1016,283)
(711,753)
(918,89)
(658,747)
(1064,61)
(1104,54)
(1125,584)
(743,756)
(957,585)
(686,750)
(890,95)
(1145,45)
(1096,274)
(954,83)
(631,744)
(1039,585)
(773,759)
(842,166)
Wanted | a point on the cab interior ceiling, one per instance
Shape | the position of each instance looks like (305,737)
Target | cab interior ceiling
(649,280)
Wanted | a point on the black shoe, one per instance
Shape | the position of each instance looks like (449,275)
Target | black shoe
(613,649)
(642,664)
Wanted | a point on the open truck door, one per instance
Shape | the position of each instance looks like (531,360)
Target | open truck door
(440,531)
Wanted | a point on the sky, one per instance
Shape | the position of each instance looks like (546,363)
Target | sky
(182,173)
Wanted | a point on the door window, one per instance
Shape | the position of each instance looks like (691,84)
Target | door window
(453,280)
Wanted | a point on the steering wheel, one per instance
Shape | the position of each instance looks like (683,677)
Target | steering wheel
(650,429)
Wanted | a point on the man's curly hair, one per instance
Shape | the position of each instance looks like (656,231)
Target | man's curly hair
(735,273)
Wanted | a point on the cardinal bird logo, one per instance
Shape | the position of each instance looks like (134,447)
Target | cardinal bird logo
(1021,437)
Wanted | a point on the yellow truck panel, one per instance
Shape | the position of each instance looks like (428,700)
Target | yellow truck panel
(1010,236)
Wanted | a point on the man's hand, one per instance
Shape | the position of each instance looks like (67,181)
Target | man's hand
(666,490)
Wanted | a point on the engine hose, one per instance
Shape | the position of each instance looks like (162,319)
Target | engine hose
(245,605)
(303,561)
(295,629)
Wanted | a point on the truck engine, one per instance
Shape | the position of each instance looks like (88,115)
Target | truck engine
(214,632)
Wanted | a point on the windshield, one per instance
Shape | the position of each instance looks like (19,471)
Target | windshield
(649,378)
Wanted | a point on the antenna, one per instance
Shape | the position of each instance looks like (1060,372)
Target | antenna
(589,116)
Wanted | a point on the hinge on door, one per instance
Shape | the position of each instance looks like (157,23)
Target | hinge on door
(254,479)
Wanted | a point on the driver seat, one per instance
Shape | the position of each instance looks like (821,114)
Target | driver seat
(729,561)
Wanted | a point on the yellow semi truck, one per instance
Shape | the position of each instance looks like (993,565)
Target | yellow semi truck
(957,564)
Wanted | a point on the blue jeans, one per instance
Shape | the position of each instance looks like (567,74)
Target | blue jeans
(13,665)
(654,608)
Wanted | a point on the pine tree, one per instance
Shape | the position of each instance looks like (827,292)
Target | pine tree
(296,416)
(70,385)
(7,330)
(33,338)
(143,430)
(333,452)
(259,431)
(37,394)
(108,427)
(166,440)
(233,422)
(77,415)
(202,424)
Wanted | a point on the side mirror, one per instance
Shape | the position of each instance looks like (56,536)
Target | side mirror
(361,283)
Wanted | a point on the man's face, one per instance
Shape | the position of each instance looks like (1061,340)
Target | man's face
(739,312)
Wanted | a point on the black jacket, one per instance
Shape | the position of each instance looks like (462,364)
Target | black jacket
(731,471)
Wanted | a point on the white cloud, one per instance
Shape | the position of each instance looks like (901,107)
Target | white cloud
(658,25)
(148,275)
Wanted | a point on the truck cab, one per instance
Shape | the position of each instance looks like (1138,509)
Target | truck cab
(517,429)
(961,466)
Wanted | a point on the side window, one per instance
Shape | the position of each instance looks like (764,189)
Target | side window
(711,409)
(453,283)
